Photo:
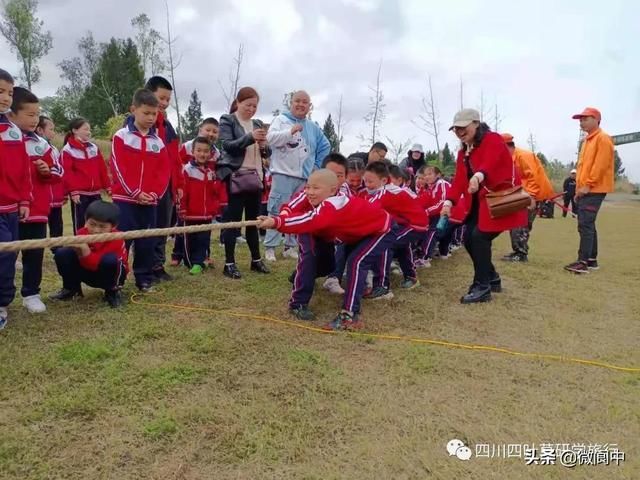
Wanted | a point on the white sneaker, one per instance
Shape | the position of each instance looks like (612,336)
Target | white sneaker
(34,304)
(369,283)
(422,263)
(241,239)
(270,254)
(3,317)
(18,266)
(290,253)
(445,257)
(332,285)
(395,269)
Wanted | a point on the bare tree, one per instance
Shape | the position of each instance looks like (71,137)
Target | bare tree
(532,142)
(497,119)
(461,93)
(483,107)
(376,115)
(148,41)
(173,65)
(340,124)
(234,77)
(398,149)
(429,120)
(25,35)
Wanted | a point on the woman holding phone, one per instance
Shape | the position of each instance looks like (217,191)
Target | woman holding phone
(244,145)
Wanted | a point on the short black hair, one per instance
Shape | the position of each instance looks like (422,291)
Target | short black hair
(355,164)
(379,168)
(396,172)
(337,158)
(379,146)
(6,76)
(22,96)
(435,169)
(156,82)
(102,211)
(42,121)
(144,96)
(210,121)
(204,140)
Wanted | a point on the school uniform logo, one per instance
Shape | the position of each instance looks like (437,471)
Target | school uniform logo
(14,135)
(155,148)
(39,150)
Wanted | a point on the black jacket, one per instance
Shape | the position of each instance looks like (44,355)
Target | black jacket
(234,142)
(569,187)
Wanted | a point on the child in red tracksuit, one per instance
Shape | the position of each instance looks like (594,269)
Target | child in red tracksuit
(45,170)
(15,192)
(46,129)
(198,205)
(364,228)
(140,171)
(436,190)
(412,222)
(86,176)
(100,265)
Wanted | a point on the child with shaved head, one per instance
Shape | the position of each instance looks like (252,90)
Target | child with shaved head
(364,228)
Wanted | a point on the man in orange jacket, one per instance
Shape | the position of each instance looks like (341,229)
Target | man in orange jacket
(593,181)
(536,183)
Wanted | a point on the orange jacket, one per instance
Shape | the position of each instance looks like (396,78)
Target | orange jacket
(534,179)
(595,165)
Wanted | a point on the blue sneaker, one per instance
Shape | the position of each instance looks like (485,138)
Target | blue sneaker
(344,321)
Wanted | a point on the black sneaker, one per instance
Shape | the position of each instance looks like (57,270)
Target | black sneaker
(259,266)
(593,265)
(520,257)
(113,298)
(508,257)
(161,275)
(145,287)
(232,271)
(379,293)
(302,313)
(65,295)
(577,267)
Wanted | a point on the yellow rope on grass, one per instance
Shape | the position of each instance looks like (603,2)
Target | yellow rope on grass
(442,343)
(107,237)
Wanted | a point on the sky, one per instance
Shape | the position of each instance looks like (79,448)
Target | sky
(538,62)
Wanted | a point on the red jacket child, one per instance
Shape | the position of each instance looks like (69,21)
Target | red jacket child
(437,193)
(58,190)
(338,218)
(98,250)
(200,199)
(403,205)
(15,173)
(139,163)
(85,171)
(186,155)
(38,148)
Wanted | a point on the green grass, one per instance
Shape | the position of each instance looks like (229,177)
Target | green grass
(156,392)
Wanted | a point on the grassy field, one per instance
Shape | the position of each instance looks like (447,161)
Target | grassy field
(157,393)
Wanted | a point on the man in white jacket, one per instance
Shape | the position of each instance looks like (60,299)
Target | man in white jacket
(298,148)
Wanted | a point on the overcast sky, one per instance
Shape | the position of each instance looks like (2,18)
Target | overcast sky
(540,62)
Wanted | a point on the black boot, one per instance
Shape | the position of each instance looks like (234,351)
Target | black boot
(259,266)
(113,298)
(232,271)
(65,294)
(478,294)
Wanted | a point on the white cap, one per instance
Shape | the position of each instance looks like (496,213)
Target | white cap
(416,147)
(574,171)
(465,117)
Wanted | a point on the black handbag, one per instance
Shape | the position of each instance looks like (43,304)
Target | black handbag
(245,181)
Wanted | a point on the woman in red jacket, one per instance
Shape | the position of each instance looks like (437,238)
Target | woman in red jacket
(85,175)
(484,164)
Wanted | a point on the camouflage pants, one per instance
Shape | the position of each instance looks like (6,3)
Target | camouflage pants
(520,236)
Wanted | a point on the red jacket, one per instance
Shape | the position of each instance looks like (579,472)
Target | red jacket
(39,149)
(403,206)
(186,155)
(200,198)
(139,163)
(85,171)
(494,160)
(340,218)
(15,173)
(98,250)
(437,194)
(58,190)
(169,137)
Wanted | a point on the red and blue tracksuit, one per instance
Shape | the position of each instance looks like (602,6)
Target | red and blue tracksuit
(106,267)
(139,164)
(56,223)
(15,192)
(363,227)
(433,199)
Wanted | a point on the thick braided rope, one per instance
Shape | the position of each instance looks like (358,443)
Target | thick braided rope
(106,237)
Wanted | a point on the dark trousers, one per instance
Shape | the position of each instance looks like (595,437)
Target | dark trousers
(139,217)
(588,207)
(110,275)
(78,210)
(340,256)
(478,245)
(239,203)
(315,259)
(196,246)
(401,249)
(459,234)
(8,233)
(361,258)
(178,244)
(164,213)
(569,200)
(56,224)
(520,236)
(428,240)
(32,259)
